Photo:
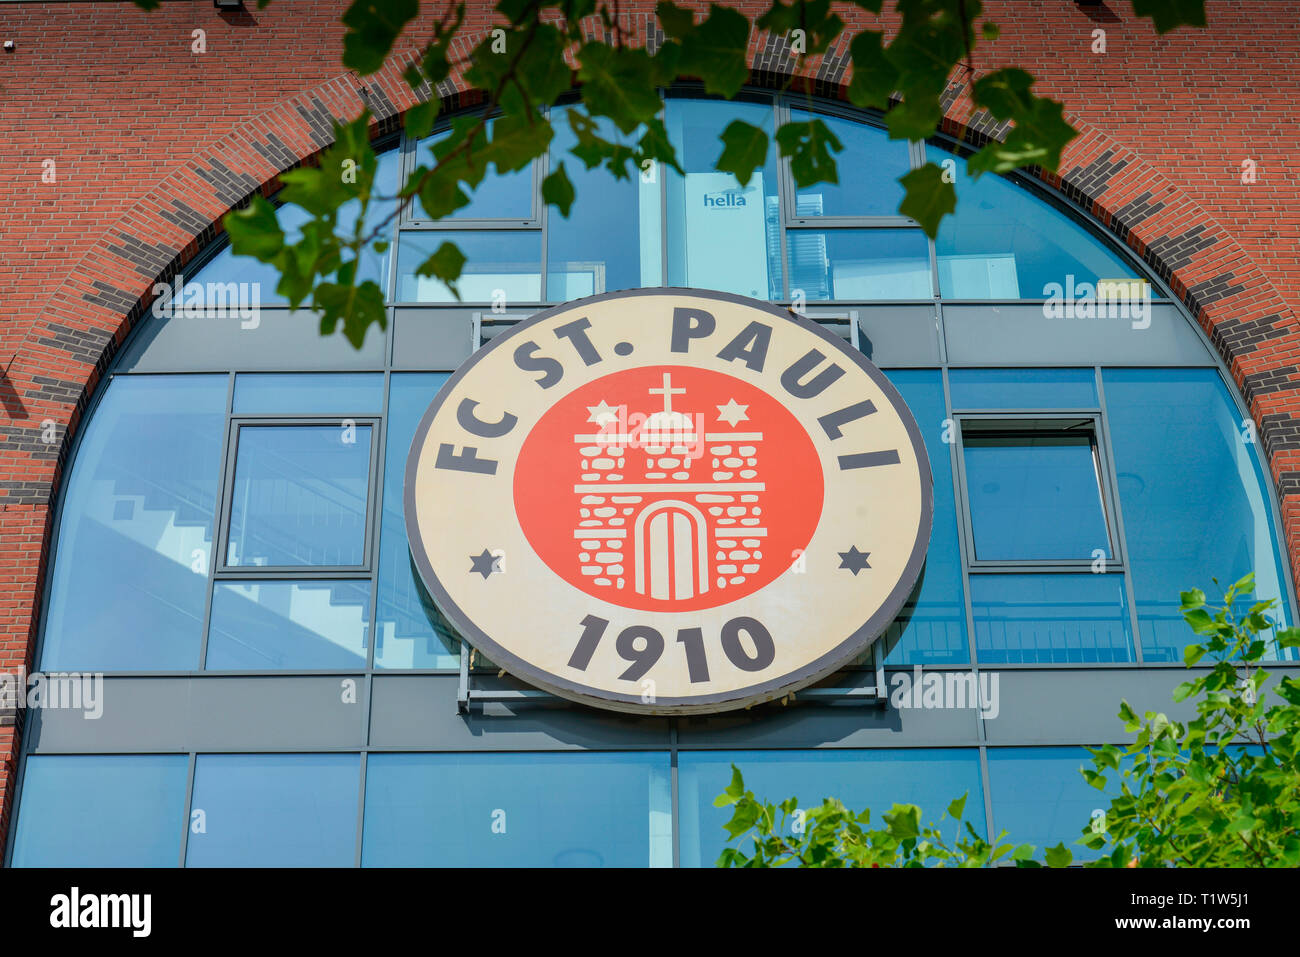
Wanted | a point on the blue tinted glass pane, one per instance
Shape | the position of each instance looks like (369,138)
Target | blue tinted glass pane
(300,496)
(101,810)
(521,810)
(260,625)
(721,235)
(1194,498)
(498,263)
(275,810)
(612,237)
(869,167)
(1003,242)
(263,278)
(296,394)
(498,196)
(932,626)
(135,536)
(878,779)
(1022,388)
(1050,618)
(1040,798)
(1034,496)
(410,632)
(859,264)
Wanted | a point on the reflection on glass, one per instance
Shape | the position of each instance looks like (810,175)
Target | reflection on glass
(859,264)
(1034,495)
(1004,242)
(1022,388)
(135,535)
(721,235)
(498,196)
(500,265)
(1040,798)
(264,625)
(299,495)
(1194,499)
(1050,619)
(932,626)
(410,632)
(101,810)
(518,810)
(307,393)
(275,810)
(227,267)
(612,238)
(869,167)
(928,777)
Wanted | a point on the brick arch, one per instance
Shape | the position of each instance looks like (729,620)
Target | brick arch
(86,319)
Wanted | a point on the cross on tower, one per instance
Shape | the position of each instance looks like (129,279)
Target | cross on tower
(667,392)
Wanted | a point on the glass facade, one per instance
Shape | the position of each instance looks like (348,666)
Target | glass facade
(231,531)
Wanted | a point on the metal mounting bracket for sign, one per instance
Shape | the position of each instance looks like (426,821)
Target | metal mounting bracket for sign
(872,695)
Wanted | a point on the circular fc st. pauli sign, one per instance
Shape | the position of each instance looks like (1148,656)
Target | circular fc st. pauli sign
(668,501)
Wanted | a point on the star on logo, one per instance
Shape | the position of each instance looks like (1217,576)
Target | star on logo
(854,560)
(732,412)
(484,564)
(602,413)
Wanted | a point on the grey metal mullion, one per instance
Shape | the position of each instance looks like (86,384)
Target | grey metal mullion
(675,818)
(215,560)
(376,536)
(853,222)
(1130,590)
(361,807)
(962,507)
(988,791)
(188,811)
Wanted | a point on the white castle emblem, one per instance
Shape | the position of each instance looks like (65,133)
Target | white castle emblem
(669,507)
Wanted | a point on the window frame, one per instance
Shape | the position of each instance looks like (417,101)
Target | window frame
(224,571)
(1029,423)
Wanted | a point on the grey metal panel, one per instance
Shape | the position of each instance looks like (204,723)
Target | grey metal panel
(419,711)
(1080,707)
(281,340)
(1019,333)
(803,725)
(902,335)
(210,713)
(435,340)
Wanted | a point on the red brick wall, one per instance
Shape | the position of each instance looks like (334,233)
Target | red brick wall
(152,142)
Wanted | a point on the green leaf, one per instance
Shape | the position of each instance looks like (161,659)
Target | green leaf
(715,51)
(1168,15)
(1192,654)
(808,144)
(676,21)
(356,306)
(446,264)
(744,150)
(558,191)
(958,807)
(1192,599)
(255,230)
(542,70)
(904,822)
(928,197)
(373,27)
(1058,856)
(420,118)
(875,78)
(618,84)
(1039,132)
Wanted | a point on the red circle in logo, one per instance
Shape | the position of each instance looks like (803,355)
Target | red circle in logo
(668,488)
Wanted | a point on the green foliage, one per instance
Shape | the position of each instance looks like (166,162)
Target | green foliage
(537,48)
(1222,790)
(1194,794)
